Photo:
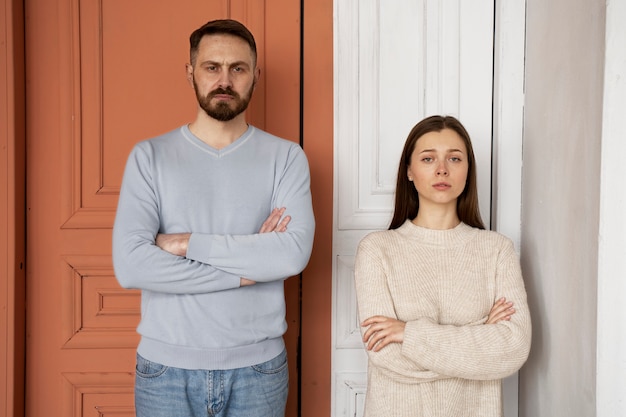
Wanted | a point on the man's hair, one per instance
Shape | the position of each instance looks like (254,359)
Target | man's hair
(220,27)
(406,197)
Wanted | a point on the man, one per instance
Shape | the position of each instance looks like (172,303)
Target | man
(212,217)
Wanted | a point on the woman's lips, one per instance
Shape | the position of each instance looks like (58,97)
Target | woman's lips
(442,186)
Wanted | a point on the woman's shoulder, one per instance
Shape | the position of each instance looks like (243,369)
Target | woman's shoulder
(494,238)
(378,235)
(378,238)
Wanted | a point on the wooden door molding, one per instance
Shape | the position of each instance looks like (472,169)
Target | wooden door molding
(96,312)
(12,209)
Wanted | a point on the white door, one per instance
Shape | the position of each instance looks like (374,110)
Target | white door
(397,62)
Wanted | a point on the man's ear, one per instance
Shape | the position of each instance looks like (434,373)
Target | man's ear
(189,74)
(257,74)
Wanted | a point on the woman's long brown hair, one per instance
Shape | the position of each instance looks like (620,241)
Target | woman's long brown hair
(406,198)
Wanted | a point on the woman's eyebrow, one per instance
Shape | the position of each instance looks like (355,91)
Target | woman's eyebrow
(448,150)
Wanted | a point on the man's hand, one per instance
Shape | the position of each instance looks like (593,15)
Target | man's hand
(174,243)
(501,310)
(272,224)
(177,243)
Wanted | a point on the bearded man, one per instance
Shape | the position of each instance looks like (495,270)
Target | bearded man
(212,218)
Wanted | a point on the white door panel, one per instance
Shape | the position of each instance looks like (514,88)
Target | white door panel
(397,62)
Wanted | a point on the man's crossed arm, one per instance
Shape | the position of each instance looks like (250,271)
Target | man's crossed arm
(177,243)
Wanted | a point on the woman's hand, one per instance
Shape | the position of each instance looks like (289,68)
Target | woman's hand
(501,310)
(382,331)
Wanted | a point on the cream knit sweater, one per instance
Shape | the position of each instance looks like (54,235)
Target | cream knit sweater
(442,283)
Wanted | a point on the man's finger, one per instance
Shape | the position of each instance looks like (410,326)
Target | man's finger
(270,223)
(282,226)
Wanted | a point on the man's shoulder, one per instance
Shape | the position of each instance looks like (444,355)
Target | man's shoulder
(271,146)
(262,135)
(162,142)
(165,137)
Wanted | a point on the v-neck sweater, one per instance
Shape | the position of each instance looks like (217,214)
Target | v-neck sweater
(194,314)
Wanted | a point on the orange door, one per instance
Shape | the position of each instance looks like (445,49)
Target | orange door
(102,75)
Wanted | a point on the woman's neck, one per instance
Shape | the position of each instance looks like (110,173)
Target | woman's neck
(437,218)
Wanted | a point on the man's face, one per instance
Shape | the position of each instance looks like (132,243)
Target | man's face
(223,76)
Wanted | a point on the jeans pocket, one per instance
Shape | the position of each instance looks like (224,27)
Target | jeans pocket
(148,369)
(273,366)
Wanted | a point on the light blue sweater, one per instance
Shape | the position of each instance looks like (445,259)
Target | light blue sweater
(194,314)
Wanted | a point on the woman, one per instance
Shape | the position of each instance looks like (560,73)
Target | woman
(431,290)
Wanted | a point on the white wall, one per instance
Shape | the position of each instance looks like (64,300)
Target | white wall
(570,188)
(611,368)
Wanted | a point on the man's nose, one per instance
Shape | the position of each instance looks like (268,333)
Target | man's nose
(225,79)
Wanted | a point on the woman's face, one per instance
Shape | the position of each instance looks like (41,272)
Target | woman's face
(438,168)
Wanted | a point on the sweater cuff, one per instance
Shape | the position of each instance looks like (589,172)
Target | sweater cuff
(198,249)
(415,339)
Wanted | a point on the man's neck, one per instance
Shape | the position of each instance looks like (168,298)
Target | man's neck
(218,134)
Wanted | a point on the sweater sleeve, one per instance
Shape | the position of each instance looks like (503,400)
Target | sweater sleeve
(374,298)
(137,261)
(271,256)
(475,351)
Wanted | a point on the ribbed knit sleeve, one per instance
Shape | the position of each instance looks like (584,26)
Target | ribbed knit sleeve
(443,284)
(478,352)
(374,298)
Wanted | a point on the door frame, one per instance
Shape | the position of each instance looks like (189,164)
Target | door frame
(12,209)
(507,110)
(318,134)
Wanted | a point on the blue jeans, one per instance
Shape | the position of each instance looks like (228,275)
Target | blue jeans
(255,391)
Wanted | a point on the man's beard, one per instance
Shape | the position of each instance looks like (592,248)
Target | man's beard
(221,110)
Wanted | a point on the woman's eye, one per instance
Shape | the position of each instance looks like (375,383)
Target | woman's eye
(427,159)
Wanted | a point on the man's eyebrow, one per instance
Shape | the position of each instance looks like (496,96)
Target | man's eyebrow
(219,64)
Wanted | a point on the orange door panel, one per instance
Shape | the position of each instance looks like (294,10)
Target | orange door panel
(102,75)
